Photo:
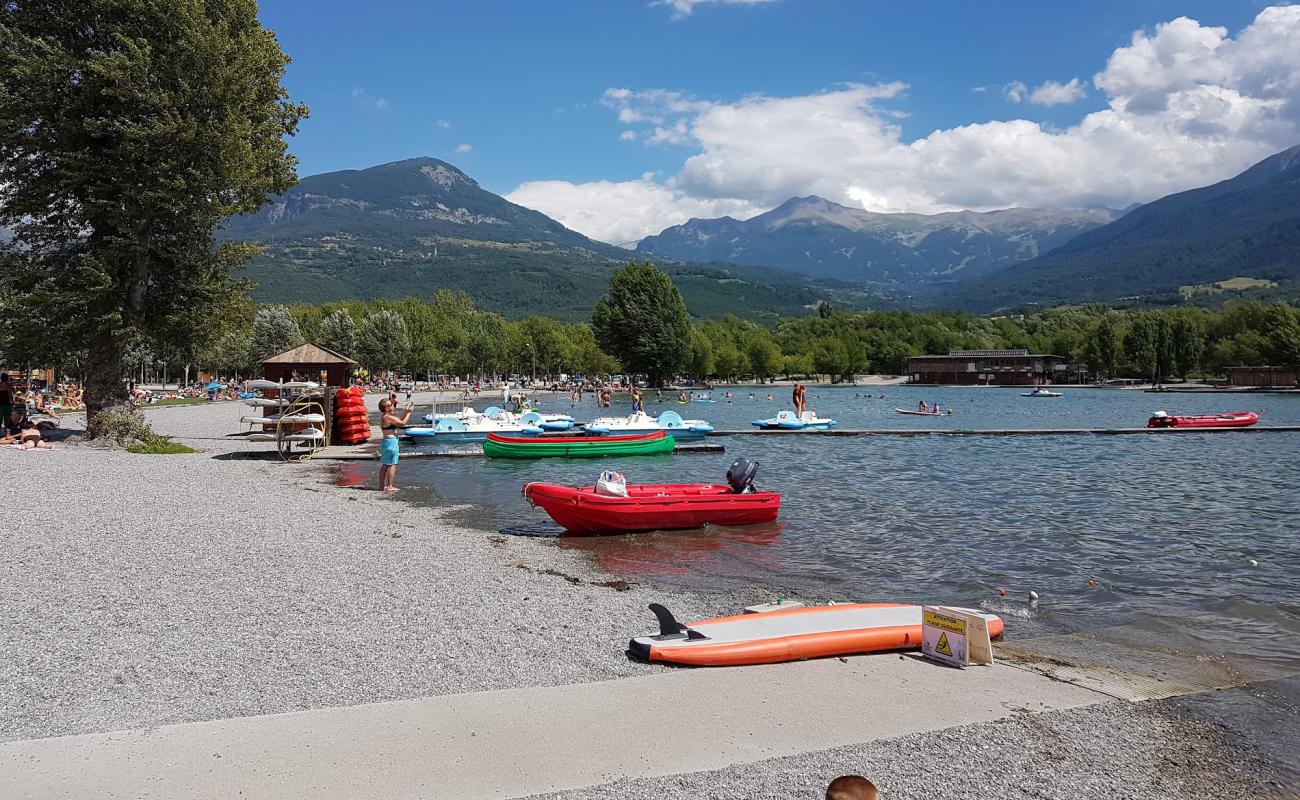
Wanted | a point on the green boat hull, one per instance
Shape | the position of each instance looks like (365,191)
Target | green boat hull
(596,448)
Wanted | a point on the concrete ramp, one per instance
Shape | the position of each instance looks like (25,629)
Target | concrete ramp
(518,742)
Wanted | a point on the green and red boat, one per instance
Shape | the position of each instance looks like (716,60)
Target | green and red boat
(640,444)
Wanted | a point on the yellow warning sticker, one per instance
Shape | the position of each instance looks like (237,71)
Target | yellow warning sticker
(934,619)
(943,646)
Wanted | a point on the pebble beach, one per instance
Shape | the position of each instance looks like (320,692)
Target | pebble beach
(142,591)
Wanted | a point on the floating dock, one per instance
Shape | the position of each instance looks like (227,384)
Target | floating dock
(1004,431)
(368,452)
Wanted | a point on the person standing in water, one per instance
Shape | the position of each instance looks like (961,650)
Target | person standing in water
(389,424)
(637,403)
(798,396)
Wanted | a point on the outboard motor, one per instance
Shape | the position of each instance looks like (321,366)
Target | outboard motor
(741,475)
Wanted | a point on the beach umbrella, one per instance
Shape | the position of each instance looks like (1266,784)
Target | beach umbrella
(215,385)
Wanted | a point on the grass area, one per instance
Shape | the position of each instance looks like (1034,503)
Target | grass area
(160,446)
(1231,284)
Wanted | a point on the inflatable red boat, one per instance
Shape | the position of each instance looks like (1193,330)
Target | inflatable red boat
(652,507)
(1234,419)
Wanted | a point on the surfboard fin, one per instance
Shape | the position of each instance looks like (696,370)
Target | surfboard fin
(668,624)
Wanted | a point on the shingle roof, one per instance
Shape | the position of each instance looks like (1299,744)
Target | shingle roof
(309,354)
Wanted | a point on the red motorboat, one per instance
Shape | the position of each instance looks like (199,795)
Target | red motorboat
(652,507)
(1233,419)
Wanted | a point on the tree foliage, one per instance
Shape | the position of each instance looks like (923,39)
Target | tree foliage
(274,331)
(129,129)
(643,322)
(383,342)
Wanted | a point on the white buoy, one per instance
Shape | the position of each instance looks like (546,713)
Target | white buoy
(1033,597)
(1254,563)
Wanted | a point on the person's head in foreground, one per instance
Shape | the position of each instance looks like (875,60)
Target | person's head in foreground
(852,787)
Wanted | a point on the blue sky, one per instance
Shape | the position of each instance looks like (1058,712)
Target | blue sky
(515,93)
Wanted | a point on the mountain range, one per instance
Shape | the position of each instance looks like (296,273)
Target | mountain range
(1244,227)
(1247,227)
(411,227)
(909,253)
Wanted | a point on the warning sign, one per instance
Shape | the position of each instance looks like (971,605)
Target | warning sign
(943,636)
(943,646)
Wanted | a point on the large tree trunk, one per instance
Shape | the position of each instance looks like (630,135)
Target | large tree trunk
(105,373)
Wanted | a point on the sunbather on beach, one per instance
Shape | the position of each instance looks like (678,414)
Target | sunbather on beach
(18,429)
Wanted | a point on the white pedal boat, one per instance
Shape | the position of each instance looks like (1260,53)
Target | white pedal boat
(458,428)
(789,421)
(639,422)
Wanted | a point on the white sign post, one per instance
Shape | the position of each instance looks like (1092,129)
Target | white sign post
(955,637)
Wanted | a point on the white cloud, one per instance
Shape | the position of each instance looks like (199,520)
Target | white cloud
(444,124)
(683,8)
(360,94)
(622,211)
(627,136)
(1015,91)
(1052,93)
(1187,105)
(464,148)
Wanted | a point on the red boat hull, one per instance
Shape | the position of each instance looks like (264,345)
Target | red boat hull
(651,507)
(1235,419)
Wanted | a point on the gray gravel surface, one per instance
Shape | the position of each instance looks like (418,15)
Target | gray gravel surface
(1116,751)
(147,590)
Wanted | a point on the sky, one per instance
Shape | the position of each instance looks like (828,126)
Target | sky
(622,117)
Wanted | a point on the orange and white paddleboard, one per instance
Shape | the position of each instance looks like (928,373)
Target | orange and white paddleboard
(787,635)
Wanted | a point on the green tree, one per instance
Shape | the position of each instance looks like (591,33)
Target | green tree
(699,359)
(382,341)
(274,331)
(764,356)
(338,332)
(129,129)
(1187,335)
(486,345)
(1102,349)
(1140,346)
(643,322)
(1283,333)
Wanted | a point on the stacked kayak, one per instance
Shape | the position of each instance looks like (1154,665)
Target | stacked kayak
(498,446)
(651,507)
(351,420)
(1235,419)
(640,422)
(790,421)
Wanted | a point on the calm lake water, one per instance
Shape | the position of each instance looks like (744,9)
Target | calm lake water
(1167,526)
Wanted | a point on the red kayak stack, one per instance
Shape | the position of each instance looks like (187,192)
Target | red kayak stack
(351,420)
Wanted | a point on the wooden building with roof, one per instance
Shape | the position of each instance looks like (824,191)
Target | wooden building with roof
(993,368)
(309,362)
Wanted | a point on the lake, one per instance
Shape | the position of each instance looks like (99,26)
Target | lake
(1165,527)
